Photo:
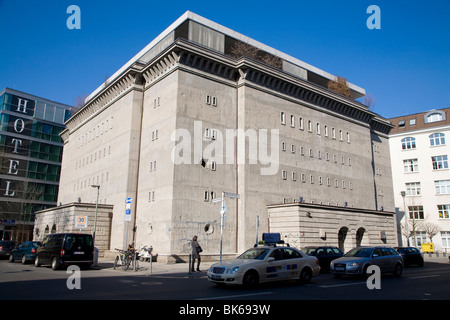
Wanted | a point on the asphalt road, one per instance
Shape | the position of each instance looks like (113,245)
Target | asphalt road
(179,293)
(26,282)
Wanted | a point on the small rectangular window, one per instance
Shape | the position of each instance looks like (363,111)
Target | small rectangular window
(282,117)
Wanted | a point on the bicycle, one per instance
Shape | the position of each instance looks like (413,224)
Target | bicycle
(120,259)
(125,258)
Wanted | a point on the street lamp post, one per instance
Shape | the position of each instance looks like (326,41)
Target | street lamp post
(96,209)
(403,193)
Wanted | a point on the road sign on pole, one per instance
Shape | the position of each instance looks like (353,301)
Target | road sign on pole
(81,222)
(127,215)
(231,195)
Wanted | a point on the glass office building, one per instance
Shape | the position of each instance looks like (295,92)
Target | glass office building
(30,158)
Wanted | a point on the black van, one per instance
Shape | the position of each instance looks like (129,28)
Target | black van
(64,249)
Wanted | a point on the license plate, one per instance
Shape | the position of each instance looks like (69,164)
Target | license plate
(215,277)
(339,268)
(78,252)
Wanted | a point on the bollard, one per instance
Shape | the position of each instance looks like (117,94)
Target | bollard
(150,268)
(189,266)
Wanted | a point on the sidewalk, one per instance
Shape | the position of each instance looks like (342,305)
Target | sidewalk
(183,270)
(157,268)
(433,258)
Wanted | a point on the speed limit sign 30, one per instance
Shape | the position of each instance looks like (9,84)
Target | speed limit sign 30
(81,222)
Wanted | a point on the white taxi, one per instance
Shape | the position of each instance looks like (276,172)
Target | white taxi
(265,264)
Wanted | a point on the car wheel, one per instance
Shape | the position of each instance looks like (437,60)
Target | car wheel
(24,259)
(251,279)
(398,270)
(11,258)
(421,263)
(55,264)
(364,273)
(37,261)
(305,275)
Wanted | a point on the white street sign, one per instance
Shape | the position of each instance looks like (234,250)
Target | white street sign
(81,222)
(127,216)
(231,195)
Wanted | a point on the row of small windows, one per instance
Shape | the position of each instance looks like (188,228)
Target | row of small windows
(93,157)
(319,153)
(438,163)
(310,127)
(86,183)
(97,131)
(436,139)
(303,177)
(441,187)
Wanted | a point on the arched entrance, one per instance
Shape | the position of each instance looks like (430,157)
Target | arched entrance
(342,235)
(359,236)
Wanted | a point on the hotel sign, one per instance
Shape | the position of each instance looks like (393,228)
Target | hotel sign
(19,124)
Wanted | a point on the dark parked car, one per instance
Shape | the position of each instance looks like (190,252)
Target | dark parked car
(410,255)
(325,255)
(25,252)
(6,247)
(64,249)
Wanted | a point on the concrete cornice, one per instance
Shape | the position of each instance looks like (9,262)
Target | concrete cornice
(186,54)
(251,71)
(329,208)
(79,205)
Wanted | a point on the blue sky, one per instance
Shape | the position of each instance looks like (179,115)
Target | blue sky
(405,65)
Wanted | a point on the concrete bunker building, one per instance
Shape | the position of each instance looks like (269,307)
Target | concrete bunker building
(187,119)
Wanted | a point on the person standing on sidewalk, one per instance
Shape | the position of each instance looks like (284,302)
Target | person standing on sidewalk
(196,249)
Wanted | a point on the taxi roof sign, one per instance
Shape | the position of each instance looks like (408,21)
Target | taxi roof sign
(272,238)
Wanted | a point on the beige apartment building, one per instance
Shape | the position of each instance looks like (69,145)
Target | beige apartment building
(419,152)
(190,117)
